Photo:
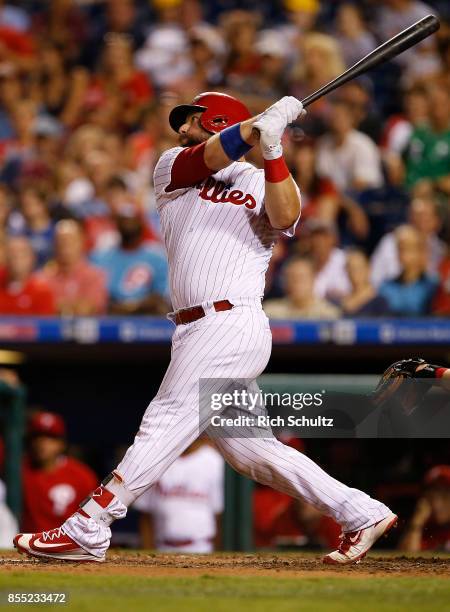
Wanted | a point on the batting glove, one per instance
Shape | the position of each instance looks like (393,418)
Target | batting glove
(272,123)
(282,112)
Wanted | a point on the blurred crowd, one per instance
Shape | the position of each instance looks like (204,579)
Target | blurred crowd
(85,91)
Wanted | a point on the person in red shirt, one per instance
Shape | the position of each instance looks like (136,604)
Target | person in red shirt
(441,302)
(21,291)
(429,526)
(79,288)
(53,483)
(281,520)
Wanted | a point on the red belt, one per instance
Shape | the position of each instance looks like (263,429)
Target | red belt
(189,315)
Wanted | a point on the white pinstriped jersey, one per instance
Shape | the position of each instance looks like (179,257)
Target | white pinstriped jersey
(218,237)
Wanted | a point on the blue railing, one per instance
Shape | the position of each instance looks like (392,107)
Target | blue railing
(152,330)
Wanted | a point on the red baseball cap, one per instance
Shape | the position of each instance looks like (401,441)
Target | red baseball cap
(439,475)
(46,424)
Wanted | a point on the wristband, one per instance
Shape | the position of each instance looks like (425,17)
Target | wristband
(430,371)
(276,170)
(232,142)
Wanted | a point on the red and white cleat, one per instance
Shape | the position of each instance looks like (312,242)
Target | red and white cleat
(355,544)
(53,544)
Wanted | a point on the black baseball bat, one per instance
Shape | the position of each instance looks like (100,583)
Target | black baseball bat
(392,47)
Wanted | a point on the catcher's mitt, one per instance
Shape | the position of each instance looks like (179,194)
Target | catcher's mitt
(399,383)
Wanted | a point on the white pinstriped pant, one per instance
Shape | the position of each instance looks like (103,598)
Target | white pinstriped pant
(231,344)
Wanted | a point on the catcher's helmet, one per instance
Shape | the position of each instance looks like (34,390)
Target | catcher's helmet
(218,110)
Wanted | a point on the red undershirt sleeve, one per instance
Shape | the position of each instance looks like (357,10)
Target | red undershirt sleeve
(189,168)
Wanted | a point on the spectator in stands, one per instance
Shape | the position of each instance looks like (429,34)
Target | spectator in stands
(14,17)
(420,61)
(53,484)
(79,288)
(181,512)
(118,78)
(441,303)
(358,94)
(165,53)
(207,50)
(320,198)
(268,83)
(19,48)
(98,167)
(301,16)
(320,61)
(21,291)
(399,128)
(119,17)
(240,30)
(411,293)
(331,280)
(34,222)
(136,272)
(346,156)
(6,206)
(355,38)
(429,526)
(16,152)
(423,216)
(10,92)
(53,77)
(142,145)
(362,301)
(102,231)
(64,24)
(428,152)
(300,301)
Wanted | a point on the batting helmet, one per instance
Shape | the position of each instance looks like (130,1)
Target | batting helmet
(218,110)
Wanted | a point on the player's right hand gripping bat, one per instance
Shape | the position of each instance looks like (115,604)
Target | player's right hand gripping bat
(391,48)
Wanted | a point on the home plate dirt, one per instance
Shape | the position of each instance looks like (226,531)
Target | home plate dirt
(290,564)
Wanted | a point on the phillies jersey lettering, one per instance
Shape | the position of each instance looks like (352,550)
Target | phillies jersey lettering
(217,234)
(219,192)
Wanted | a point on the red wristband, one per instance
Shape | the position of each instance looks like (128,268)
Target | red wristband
(276,170)
(440,372)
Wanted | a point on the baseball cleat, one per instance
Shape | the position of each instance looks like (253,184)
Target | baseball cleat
(355,544)
(52,544)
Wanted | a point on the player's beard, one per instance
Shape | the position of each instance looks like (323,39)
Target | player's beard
(191,141)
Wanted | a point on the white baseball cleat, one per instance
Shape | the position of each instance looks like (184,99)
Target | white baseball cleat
(52,544)
(355,544)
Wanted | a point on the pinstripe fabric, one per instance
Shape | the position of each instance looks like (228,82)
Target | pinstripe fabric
(219,250)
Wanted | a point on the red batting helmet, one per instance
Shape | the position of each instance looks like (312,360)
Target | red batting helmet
(218,110)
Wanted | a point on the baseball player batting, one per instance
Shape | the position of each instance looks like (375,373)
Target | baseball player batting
(220,218)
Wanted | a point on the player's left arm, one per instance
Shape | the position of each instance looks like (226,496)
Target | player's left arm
(282,203)
(282,197)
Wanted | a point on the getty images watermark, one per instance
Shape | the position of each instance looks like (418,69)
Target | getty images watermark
(250,403)
(240,409)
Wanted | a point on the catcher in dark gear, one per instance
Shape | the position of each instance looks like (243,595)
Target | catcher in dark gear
(420,376)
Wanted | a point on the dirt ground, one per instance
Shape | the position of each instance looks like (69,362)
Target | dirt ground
(252,564)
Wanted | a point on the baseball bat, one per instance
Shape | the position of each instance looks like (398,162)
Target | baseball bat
(389,49)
